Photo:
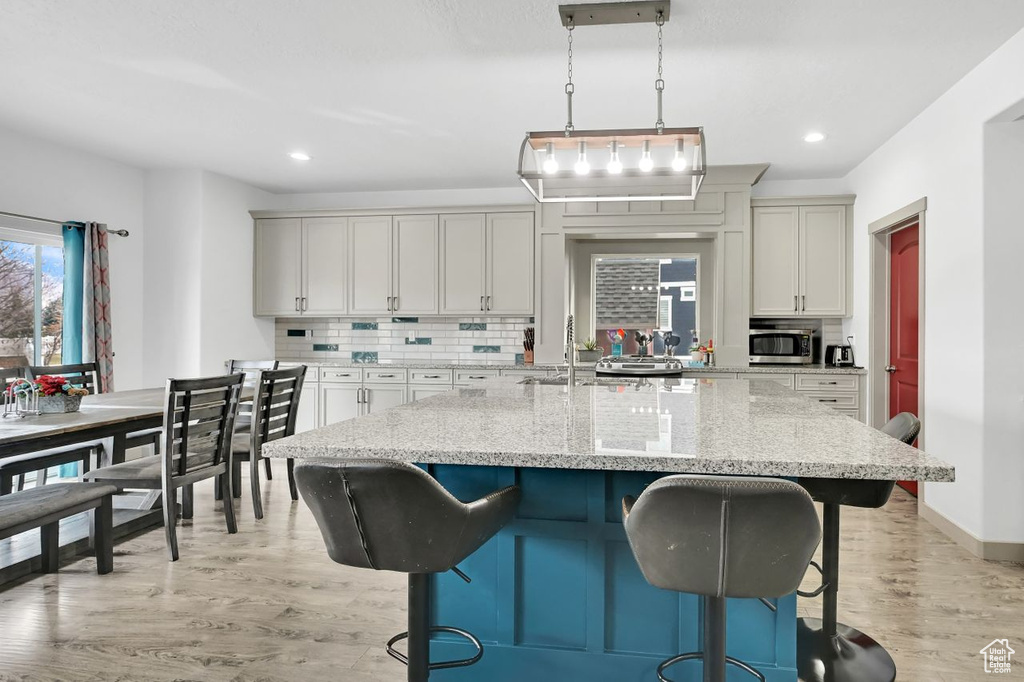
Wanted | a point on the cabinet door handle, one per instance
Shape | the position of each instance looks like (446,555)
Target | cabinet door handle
(394,303)
(481,303)
(828,383)
(389,304)
(297,303)
(488,302)
(366,396)
(431,376)
(796,303)
(804,298)
(305,304)
(828,400)
(478,377)
(385,376)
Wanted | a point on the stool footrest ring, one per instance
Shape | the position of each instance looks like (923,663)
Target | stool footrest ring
(699,655)
(440,665)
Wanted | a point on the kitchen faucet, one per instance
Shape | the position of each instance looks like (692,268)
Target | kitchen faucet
(570,350)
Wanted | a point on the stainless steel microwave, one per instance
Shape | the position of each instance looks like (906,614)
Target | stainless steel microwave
(781,346)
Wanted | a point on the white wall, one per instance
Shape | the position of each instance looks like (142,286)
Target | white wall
(199,275)
(48,180)
(969,278)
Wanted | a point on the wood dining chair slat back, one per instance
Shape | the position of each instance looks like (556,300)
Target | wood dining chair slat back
(82,375)
(199,422)
(274,413)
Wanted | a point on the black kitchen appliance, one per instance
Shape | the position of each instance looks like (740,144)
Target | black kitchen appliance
(839,355)
(781,346)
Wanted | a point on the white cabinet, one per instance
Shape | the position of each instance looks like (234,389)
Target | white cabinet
(369,259)
(421,392)
(324,265)
(382,397)
(799,261)
(278,267)
(393,265)
(463,245)
(339,402)
(823,260)
(776,254)
(300,267)
(487,263)
(309,402)
(414,265)
(509,264)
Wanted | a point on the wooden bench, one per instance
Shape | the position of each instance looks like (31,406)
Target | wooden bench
(44,507)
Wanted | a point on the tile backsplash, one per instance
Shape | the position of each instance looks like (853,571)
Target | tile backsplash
(384,339)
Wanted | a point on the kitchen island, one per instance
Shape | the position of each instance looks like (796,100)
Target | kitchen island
(557,594)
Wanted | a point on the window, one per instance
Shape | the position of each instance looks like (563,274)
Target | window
(665,313)
(31,297)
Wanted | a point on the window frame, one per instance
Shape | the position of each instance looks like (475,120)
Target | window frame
(44,236)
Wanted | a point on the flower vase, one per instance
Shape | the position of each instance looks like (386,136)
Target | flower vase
(59,403)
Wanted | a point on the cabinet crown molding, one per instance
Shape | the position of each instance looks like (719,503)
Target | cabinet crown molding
(371,212)
(824,200)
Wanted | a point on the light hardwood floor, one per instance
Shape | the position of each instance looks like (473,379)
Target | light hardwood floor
(267,604)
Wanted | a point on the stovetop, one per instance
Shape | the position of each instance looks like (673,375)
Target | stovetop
(640,364)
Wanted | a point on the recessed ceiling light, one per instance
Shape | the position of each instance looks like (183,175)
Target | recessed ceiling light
(814,137)
(300,156)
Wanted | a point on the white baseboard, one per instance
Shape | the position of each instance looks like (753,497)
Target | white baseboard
(990,551)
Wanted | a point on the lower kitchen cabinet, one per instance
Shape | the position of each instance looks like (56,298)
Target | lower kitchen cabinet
(306,418)
(421,392)
(339,402)
(382,397)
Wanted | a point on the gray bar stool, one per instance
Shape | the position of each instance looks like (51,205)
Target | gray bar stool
(392,516)
(826,649)
(720,537)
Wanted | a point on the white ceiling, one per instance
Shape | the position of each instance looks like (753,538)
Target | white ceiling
(422,94)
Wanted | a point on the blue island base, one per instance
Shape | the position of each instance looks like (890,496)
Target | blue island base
(557,595)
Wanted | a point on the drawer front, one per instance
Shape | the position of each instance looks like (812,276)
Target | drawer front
(524,372)
(827,382)
(783,379)
(385,376)
(341,375)
(841,401)
(474,376)
(430,376)
(853,414)
(709,375)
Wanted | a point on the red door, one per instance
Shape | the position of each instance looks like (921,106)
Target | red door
(904,262)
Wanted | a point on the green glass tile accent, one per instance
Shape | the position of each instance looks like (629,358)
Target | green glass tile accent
(472,326)
(364,356)
(405,319)
(531,320)
(297,332)
(486,349)
(426,341)
(520,359)
(325,346)
(366,326)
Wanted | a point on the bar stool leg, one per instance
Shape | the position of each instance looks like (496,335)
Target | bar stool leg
(828,651)
(419,627)
(714,639)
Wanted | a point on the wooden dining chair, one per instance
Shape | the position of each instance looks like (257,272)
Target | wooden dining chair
(87,375)
(275,407)
(251,370)
(18,466)
(199,421)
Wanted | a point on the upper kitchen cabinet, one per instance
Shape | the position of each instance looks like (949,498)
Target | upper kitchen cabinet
(509,264)
(800,261)
(463,250)
(300,267)
(487,264)
(369,259)
(414,265)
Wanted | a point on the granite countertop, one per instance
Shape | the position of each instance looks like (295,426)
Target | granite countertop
(440,364)
(710,426)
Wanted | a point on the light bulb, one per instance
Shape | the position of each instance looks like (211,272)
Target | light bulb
(679,161)
(300,156)
(582,166)
(614,164)
(646,162)
(550,162)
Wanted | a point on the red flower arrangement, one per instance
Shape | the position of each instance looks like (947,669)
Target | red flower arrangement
(47,385)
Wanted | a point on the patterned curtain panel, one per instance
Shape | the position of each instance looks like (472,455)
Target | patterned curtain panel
(96,329)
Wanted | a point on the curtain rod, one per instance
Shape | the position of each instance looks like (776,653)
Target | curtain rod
(120,233)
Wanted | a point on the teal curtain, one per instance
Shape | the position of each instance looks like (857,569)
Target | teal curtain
(74,261)
(71,344)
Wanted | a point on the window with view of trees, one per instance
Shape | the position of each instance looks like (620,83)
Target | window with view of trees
(31,299)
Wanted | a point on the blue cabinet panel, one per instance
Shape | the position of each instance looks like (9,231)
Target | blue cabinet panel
(553,494)
(630,602)
(551,592)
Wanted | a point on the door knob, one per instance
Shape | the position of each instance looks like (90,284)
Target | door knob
(890,368)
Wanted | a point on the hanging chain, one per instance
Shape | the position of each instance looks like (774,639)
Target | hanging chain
(659,84)
(569,87)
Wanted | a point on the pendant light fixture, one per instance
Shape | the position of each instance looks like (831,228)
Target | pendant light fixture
(640,164)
